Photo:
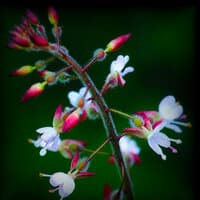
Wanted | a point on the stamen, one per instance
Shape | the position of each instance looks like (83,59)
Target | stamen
(187,124)
(44,175)
(30,141)
(176,141)
(173,149)
(163,156)
(53,190)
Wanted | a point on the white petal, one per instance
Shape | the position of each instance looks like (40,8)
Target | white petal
(74,98)
(156,148)
(161,139)
(169,109)
(127,70)
(174,127)
(54,145)
(68,187)
(46,130)
(82,91)
(119,63)
(57,178)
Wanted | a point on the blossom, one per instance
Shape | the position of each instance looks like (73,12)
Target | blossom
(82,101)
(130,150)
(64,182)
(116,74)
(170,111)
(144,129)
(48,140)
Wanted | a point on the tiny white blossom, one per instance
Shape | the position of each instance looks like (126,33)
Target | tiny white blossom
(129,149)
(48,140)
(116,74)
(64,183)
(82,100)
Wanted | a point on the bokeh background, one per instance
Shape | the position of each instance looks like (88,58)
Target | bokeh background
(162,50)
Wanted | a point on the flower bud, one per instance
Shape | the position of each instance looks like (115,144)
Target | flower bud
(22,41)
(117,42)
(35,90)
(71,121)
(100,54)
(32,18)
(39,40)
(53,16)
(23,71)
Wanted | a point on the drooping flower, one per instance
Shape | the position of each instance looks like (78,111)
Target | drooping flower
(65,182)
(130,150)
(115,77)
(142,127)
(48,140)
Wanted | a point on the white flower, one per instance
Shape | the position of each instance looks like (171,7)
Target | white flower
(157,139)
(79,99)
(82,100)
(49,140)
(64,183)
(116,74)
(169,111)
(129,149)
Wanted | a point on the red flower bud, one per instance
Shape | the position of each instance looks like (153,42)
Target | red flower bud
(39,40)
(22,41)
(53,16)
(32,18)
(117,42)
(71,121)
(35,90)
(23,71)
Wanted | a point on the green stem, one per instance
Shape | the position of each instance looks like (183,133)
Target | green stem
(121,113)
(100,152)
(106,118)
(98,149)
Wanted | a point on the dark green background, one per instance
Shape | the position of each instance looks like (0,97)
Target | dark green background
(161,49)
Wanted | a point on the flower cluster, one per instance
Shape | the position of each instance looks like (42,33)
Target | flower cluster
(88,103)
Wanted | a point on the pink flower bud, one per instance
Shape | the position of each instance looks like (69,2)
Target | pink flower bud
(39,40)
(117,42)
(22,41)
(23,71)
(32,18)
(53,16)
(35,90)
(71,121)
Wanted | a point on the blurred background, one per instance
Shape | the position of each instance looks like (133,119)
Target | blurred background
(162,51)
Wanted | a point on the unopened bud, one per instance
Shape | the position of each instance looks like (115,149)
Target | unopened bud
(23,71)
(39,40)
(35,90)
(117,42)
(53,16)
(32,18)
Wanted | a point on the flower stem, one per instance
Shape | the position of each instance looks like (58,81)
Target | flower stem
(98,149)
(121,113)
(106,117)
